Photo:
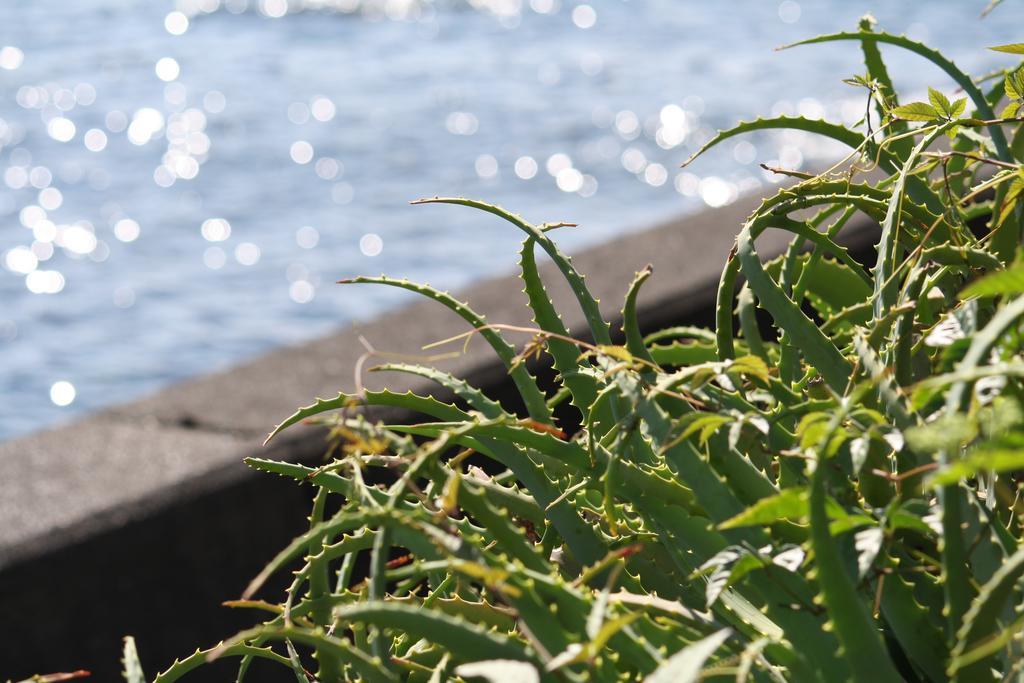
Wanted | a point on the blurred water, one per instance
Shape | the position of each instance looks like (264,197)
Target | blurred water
(181,183)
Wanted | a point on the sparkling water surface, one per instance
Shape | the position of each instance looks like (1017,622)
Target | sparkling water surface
(181,183)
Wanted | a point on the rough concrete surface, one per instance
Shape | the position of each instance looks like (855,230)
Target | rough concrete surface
(142,518)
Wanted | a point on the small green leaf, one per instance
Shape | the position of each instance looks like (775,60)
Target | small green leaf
(1012,48)
(750,365)
(616,352)
(1010,85)
(789,504)
(940,102)
(1010,111)
(860,82)
(916,111)
(705,423)
(958,108)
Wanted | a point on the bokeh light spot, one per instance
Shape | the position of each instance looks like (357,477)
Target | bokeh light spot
(62,393)
(176,23)
(301,152)
(167,69)
(11,57)
(371,244)
(584,16)
(307,237)
(789,11)
(215,229)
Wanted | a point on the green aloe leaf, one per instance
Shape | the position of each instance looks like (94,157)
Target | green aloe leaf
(465,640)
(848,137)
(511,539)
(462,389)
(886,286)
(913,628)
(862,646)
(630,323)
(877,71)
(840,530)
(816,347)
(321,405)
(682,354)
(981,620)
(532,396)
(589,305)
(832,286)
(180,667)
(340,649)
(566,355)
(936,58)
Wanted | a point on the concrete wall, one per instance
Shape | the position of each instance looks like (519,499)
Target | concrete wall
(142,518)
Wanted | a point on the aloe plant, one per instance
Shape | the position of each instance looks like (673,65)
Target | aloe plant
(834,498)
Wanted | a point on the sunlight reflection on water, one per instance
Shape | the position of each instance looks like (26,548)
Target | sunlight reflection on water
(179,182)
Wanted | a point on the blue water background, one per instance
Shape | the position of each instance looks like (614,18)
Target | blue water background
(427,98)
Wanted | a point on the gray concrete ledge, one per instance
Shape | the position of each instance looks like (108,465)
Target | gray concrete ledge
(142,518)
